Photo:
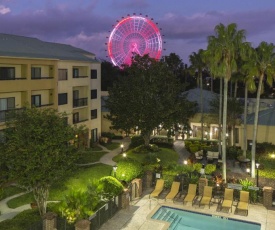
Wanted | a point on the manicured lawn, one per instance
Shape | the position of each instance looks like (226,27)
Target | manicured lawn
(90,156)
(112,145)
(166,156)
(79,179)
(10,191)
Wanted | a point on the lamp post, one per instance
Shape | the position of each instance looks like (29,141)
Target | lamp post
(115,168)
(257,167)
(121,146)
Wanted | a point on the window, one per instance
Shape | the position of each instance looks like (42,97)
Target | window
(7,73)
(62,99)
(75,73)
(62,74)
(36,72)
(36,100)
(94,114)
(94,135)
(93,74)
(93,93)
(75,118)
(6,104)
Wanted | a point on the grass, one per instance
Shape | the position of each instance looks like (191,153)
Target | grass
(10,191)
(80,179)
(90,156)
(112,145)
(166,156)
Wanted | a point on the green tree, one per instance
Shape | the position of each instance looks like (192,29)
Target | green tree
(223,50)
(37,150)
(148,95)
(198,65)
(109,74)
(264,66)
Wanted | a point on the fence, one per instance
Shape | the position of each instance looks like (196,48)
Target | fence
(102,215)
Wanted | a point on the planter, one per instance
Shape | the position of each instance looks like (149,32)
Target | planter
(33,205)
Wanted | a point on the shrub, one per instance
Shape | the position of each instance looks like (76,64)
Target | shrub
(108,135)
(252,193)
(76,205)
(136,141)
(169,177)
(233,152)
(194,148)
(127,170)
(210,168)
(110,187)
(146,149)
(197,167)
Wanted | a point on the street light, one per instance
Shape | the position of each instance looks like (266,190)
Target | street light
(185,162)
(124,155)
(257,167)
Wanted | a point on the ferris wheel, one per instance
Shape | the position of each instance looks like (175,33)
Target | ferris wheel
(134,35)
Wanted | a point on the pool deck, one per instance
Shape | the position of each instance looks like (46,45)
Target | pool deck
(138,214)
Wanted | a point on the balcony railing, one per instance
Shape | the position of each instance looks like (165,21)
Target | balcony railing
(39,78)
(6,115)
(44,105)
(14,78)
(75,121)
(80,76)
(80,102)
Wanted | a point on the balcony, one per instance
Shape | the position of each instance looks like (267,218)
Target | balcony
(40,105)
(6,115)
(76,121)
(80,76)
(80,102)
(40,78)
(14,78)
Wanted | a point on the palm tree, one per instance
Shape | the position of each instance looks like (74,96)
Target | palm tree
(198,65)
(223,50)
(264,65)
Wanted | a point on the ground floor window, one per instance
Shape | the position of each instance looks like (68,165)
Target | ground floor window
(94,137)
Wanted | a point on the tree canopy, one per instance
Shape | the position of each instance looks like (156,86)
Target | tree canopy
(37,150)
(148,95)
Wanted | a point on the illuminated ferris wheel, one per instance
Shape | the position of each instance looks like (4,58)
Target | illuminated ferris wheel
(134,35)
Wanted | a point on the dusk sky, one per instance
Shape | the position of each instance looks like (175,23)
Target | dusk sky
(185,23)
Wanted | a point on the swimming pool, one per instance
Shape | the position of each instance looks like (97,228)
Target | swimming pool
(188,220)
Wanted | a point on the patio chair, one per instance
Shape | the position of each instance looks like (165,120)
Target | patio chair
(191,194)
(228,198)
(158,188)
(199,155)
(243,203)
(207,196)
(174,191)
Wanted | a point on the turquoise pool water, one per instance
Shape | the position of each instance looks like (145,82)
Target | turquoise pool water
(188,220)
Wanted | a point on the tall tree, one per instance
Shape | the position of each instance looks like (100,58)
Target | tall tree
(223,49)
(147,96)
(264,66)
(198,65)
(37,150)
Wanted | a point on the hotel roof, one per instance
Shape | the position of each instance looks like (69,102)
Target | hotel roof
(20,46)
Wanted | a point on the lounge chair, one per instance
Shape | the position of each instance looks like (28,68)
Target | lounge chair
(158,188)
(174,191)
(228,198)
(243,203)
(207,196)
(191,194)
(199,155)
